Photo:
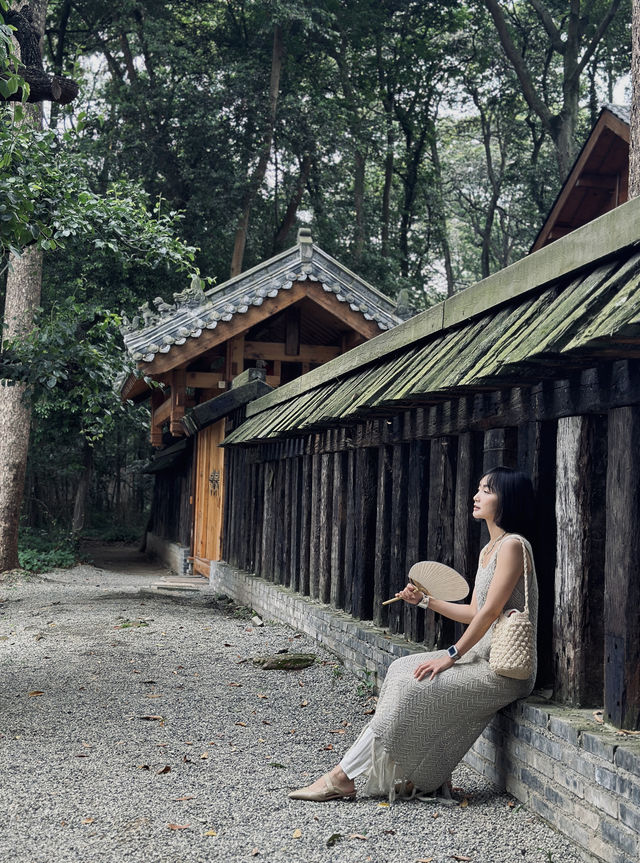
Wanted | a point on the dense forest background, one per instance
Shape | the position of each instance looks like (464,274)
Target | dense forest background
(423,143)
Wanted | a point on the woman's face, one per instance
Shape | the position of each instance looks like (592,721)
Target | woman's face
(485,502)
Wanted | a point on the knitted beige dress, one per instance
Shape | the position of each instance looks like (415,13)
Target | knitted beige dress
(423,728)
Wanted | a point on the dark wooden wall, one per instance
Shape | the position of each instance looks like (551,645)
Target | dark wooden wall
(172,509)
(341,514)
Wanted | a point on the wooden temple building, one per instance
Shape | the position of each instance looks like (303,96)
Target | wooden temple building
(208,353)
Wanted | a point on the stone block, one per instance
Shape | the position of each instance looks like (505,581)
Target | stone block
(628,760)
(535,715)
(619,836)
(597,746)
(568,779)
(630,816)
(607,778)
(601,800)
(550,747)
(564,729)
(533,780)
(628,789)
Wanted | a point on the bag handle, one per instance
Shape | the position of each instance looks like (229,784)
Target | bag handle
(526,569)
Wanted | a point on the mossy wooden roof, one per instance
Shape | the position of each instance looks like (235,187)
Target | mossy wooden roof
(568,305)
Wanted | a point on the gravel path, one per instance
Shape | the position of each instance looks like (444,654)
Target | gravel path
(135,727)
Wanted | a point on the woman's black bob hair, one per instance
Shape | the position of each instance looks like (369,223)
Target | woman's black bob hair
(515,511)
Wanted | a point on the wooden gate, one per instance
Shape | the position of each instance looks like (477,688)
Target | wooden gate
(207,533)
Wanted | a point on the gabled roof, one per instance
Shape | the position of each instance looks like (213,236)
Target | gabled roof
(598,180)
(569,305)
(195,312)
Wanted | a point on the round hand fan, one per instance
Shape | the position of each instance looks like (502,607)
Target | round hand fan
(437,580)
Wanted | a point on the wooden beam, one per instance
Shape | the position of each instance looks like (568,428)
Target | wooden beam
(622,564)
(161,413)
(343,312)
(272,351)
(203,380)
(292,331)
(235,357)
(178,401)
(603,182)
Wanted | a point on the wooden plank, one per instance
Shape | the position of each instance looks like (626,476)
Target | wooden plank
(352,509)
(315,527)
(324,526)
(203,380)
(397,537)
(417,503)
(466,529)
(338,519)
(365,537)
(259,517)
(295,519)
(178,402)
(305,525)
(278,522)
(270,351)
(384,492)
(622,564)
(440,525)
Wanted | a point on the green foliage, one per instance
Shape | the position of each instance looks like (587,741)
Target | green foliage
(42,550)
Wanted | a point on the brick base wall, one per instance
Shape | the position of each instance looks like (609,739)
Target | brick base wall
(579,776)
(173,555)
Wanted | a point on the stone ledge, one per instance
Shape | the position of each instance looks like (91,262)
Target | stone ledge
(579,775)
(172,554)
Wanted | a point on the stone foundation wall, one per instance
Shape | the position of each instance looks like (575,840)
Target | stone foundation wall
(172,554)
(579,776)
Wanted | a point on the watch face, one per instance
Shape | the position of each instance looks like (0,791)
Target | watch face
(453,653)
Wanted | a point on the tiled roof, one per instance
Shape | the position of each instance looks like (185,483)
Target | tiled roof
(195,310)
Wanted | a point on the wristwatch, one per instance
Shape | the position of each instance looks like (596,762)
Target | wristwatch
(453,652)
(424,602)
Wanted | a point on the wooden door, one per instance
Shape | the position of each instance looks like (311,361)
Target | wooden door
(207,534)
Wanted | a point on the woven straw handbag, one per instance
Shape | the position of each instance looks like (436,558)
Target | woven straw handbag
(512,647)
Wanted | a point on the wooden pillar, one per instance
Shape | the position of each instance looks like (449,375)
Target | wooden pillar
(466,542)
(365,542)
(268,521)
(294,522)
(579,587)
(305,525)
(259,516)
(178,401)
(622,570)
(235,358)
(417,503)
(315,527)
(440,524)
(292,331)
(279,515)
(500,448)
(397,537)
(324,526)
(383,532)
(352,506)
(157,398)
(338,524)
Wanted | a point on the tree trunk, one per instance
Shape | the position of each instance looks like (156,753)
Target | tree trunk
(358,200)
(290,215)
(634,147)
(261,168)
(82,490)
(24,282)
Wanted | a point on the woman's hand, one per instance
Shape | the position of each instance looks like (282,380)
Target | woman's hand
(411,594)
(433,667)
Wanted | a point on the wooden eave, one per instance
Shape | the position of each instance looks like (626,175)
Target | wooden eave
(597,183)
(180,356)
(568,306)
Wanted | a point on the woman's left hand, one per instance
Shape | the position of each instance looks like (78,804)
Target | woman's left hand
(432,667)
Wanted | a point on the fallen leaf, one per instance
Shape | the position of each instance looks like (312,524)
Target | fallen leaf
(337,731)
(266,722)
(178,826)
(260,695)
(459,857)
(161,744)
(464,803)
(297,833)
(383,805)
(152,718)
(143,767)
(165,769)
(368,712)
(186,760)
(435,814)
(204,755)
(511,804)
(81,755)
(234,684)
(154,695)
(88,820)
(598,715)
(35,693)
(243,724)
(358,836)
(255,852)
(328,746)
(186,797)
(389,832)
(303,703)
(210,833)
(425,859)
(153,682)
(226,644)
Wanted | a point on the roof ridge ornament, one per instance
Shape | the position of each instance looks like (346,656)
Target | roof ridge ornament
(305,242)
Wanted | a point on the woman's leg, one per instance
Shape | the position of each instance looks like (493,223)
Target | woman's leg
(356,760)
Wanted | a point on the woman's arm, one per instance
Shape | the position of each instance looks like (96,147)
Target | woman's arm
(463,613)
(509,568)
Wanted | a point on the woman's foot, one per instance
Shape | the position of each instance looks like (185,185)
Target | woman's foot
(331,786)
